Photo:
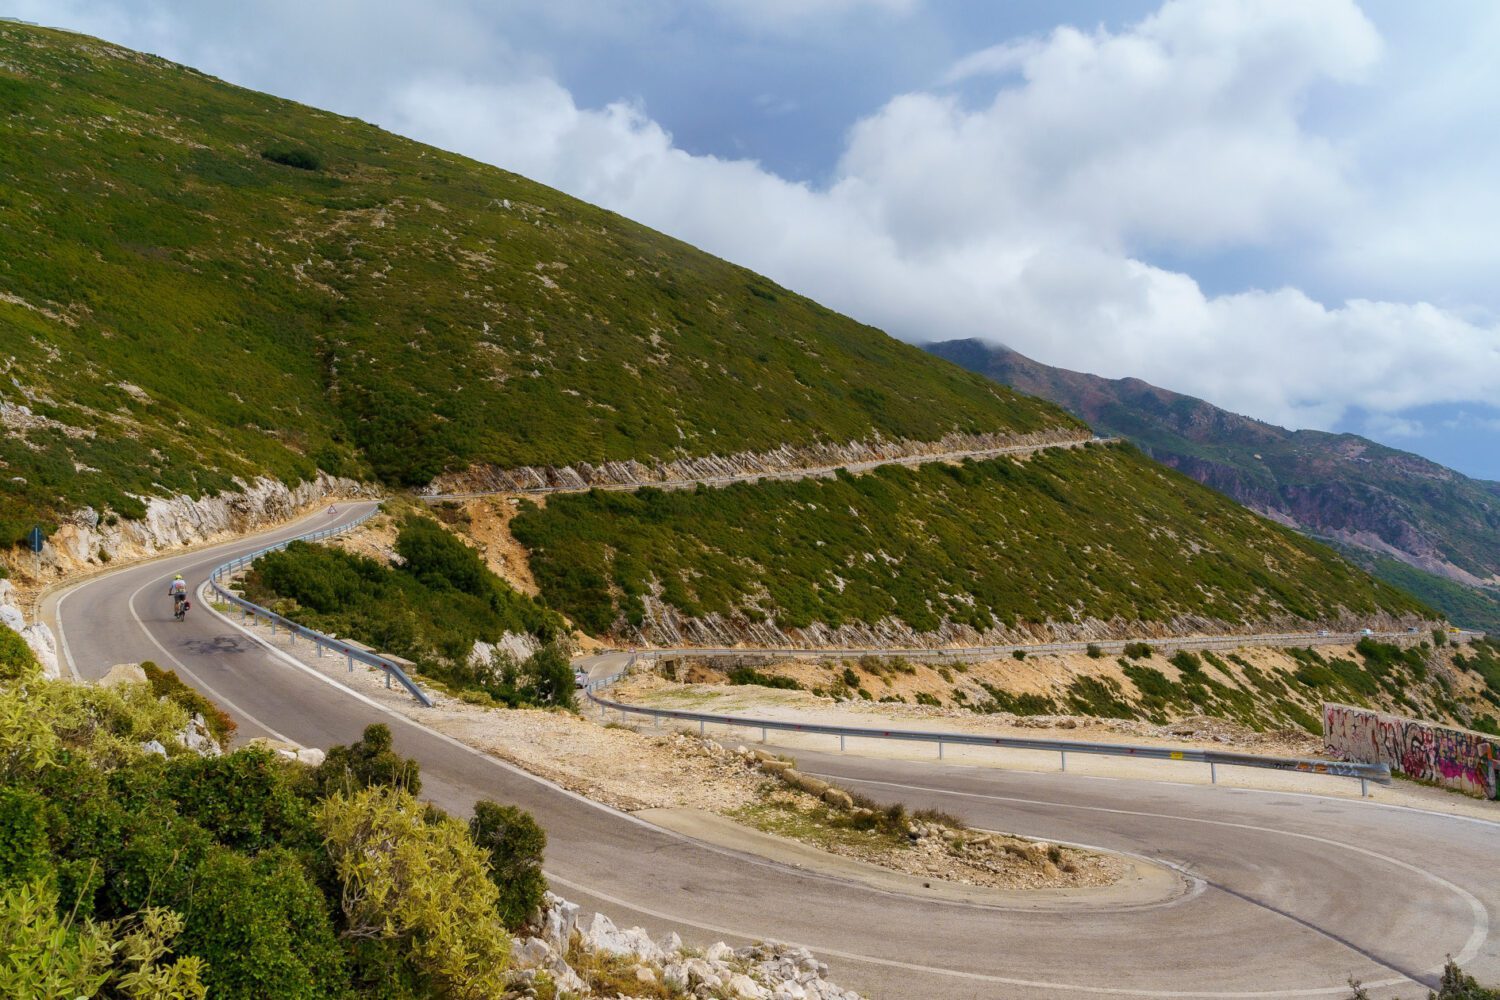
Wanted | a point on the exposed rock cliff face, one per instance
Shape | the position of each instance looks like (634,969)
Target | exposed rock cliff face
(783,463)
(665,626)
(87,542)
(37,636)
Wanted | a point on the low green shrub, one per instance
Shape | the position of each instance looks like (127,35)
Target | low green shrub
(1186,661)
(751,676)
(1138,651)
(16,658)
(370,763)
(294,156)
(166,684)
(515,844)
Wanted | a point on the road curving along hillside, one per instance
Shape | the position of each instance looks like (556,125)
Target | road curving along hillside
(1284,895)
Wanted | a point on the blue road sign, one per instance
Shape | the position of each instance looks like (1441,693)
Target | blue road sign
(37,538)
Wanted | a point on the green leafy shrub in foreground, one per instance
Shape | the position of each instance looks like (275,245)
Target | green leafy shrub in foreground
(514,843)
(124,874)
(417,881)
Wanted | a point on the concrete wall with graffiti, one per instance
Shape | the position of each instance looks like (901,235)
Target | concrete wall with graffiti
(1456,758)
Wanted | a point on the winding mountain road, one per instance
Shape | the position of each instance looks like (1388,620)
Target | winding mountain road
(1283,895)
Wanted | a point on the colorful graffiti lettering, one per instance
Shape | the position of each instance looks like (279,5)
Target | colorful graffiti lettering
(1456,758)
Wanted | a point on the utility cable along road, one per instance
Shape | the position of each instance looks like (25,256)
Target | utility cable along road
(1284,895)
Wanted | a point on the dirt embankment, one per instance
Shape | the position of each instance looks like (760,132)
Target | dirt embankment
(1262,698)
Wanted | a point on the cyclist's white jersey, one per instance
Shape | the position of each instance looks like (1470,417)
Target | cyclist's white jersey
(178,588)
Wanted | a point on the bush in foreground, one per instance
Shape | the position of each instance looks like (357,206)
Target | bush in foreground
(131,875)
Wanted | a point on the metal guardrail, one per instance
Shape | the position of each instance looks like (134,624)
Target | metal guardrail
(1379,773)
(319,639)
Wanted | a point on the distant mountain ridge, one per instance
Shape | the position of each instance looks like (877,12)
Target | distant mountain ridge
(1385,503)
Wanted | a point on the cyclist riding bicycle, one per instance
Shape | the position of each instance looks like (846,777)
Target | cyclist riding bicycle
(178,590)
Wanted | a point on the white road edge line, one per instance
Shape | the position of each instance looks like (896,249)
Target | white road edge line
(1477,936)
(62,635)
(204,685)
(851,956)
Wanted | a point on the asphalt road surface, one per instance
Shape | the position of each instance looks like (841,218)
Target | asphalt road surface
(1290,895)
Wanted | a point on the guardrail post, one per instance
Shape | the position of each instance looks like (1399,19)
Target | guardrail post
(702,730)
(841,742)
(320,649)
(1064,755)
(388,680)
(1213,773)
(940,749)
(1364,787)
(349,658)
(762,734)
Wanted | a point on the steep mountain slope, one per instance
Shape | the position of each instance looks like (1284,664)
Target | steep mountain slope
(1381,503)
(1091,542)
(199,282)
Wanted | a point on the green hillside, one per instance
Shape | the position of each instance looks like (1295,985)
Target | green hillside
(1097,532)
(199,282)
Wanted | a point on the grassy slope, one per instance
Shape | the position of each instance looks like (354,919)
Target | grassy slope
(1099,532)
(204,312)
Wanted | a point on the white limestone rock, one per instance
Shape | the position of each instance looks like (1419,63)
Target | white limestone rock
(123,674)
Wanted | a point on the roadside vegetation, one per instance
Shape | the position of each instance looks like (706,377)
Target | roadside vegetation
(1455,984)
(133,867)
(431,607)
(348,300)
(1096,532)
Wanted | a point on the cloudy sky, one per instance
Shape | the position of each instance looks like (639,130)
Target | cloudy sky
(1287,207)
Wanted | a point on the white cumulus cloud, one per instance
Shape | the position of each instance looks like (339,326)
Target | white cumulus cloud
(1030,217)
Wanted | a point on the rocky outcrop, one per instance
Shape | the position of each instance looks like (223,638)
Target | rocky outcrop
(86,541)
(665,626)
(783,463)
(762,971)
(517,646)
(36,635)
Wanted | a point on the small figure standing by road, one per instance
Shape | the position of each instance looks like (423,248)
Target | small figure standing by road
(178,590)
